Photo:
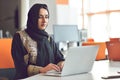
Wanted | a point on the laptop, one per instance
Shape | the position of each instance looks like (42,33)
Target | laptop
(78,60)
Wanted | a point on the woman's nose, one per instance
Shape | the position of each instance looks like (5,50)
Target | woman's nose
(44,19)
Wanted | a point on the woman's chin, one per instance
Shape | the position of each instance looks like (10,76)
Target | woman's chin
(42,28)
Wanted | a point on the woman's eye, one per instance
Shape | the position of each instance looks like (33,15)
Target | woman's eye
(40,17)
(46,16)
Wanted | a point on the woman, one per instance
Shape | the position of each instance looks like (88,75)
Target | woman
(33,50)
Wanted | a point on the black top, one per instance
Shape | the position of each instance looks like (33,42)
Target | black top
(18,52)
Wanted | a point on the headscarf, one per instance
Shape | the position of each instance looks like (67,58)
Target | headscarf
(44,51)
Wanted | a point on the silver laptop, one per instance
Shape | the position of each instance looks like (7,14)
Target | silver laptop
(78,60)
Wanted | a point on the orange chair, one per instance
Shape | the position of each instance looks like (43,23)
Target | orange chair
(113,50)
(90,40)
(115,39)
(101,51)
(6,60)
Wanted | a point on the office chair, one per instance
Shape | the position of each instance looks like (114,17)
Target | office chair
(101,51)
(113,48)
(7,69)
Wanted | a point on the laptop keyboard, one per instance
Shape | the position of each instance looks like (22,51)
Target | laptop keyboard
(54,71)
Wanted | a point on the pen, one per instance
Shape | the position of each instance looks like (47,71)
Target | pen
(118,72)
(111,77)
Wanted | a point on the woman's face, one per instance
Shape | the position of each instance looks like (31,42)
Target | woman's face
(43,19)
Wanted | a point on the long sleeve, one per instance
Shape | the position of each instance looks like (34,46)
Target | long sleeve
(58,55)
(18,52)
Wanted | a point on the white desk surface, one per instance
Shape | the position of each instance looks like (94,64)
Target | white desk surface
(100,68)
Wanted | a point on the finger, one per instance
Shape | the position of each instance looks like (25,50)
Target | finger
(56,67)
(61,66)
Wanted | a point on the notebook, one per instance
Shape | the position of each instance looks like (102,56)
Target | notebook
(78,60)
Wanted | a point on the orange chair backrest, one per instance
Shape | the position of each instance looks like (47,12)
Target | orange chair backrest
(113,50)
(101,51)
(114,39)
(90,40)
(6,60)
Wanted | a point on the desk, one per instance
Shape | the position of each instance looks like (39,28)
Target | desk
(100,68)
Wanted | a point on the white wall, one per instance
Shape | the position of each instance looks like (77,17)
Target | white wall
(66,15)
(23,10)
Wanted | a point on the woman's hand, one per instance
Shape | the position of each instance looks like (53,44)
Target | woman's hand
(49,67)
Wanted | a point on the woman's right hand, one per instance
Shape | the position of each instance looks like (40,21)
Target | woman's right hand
(49,67)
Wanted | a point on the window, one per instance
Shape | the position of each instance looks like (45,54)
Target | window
(100,17)
(103,19)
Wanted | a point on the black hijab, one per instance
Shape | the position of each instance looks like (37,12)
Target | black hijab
(45,53)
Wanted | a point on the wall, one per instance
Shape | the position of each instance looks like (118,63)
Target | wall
(7,15)
(23,11)
(67,15)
